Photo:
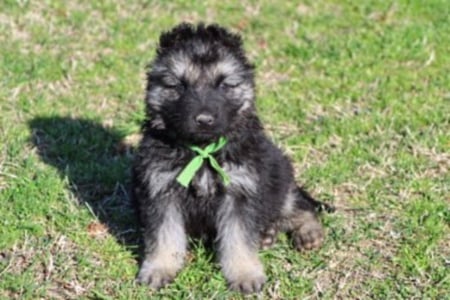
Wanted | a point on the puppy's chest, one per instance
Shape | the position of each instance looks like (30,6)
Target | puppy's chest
(244,181)
(205,184)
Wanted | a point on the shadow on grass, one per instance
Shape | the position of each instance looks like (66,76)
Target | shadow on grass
(97,166)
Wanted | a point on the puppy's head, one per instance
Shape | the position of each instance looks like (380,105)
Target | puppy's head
(200,83)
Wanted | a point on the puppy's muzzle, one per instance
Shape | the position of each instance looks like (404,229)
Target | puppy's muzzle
(205,120)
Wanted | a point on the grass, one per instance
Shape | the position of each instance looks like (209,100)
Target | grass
(357,93)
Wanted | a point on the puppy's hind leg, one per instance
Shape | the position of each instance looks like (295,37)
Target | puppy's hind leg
(300,219)
(165,248)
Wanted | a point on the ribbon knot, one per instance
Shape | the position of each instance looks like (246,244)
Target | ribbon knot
(188,173)
(200,151)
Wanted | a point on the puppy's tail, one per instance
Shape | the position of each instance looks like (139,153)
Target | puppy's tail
(306,201)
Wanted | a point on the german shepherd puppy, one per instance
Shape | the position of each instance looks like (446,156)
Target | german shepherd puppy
(200,91)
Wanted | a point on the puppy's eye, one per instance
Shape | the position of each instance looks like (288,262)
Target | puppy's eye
(229,85)
(171,82)
(230,82)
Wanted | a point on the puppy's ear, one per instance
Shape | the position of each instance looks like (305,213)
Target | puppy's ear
(229,39)
(170,38)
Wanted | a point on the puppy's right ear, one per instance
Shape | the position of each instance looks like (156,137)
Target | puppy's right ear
(170,38)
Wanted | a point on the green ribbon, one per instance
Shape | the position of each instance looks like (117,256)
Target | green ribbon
(186,175)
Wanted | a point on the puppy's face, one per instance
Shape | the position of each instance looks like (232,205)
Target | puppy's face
(200,83)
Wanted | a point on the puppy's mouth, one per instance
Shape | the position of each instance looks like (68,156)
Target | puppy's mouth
(201,136)
(203,132)
(205,136)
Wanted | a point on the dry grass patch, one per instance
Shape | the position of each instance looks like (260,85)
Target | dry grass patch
(53,262)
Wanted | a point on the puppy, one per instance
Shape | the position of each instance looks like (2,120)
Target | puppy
(205,168)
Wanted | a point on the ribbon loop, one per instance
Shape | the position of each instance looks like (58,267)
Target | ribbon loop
(188,173)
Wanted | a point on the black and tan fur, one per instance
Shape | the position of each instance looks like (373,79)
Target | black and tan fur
(201,87)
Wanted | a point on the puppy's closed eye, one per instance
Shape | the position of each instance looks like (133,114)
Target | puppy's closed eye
(171,81)
(229,81)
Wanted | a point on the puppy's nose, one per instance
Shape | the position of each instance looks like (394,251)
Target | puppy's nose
(204,119)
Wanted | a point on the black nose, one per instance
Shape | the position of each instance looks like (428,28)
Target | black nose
(204,119)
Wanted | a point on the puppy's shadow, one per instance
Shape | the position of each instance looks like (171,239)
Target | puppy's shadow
(96,163)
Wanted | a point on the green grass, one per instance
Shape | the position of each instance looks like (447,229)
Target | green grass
(356,92)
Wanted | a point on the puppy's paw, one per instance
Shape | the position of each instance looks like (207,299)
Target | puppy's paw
(309,236)
(268,238)
(248,283)
(155,277)
(244,273)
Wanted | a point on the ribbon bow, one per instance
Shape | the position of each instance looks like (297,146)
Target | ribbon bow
(186,175)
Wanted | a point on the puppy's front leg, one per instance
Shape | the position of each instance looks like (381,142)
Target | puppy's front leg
(165,246)
(238,249)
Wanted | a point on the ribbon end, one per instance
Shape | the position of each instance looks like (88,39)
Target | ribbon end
(183,182)
(226,180)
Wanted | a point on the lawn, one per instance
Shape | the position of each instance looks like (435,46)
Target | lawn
(357,93)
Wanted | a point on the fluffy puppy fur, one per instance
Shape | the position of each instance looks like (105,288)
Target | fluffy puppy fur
(201,87)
